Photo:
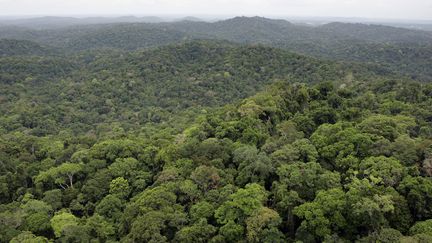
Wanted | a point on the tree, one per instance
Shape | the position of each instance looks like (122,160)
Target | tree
(110,207)
(285,155)
(325,214)
(232,232)
(422,227)
(211,149)
(253,167)
(285,201)
(62,175)
(263,225)
(241,204)
(389,235)
(206,177)
(124,167)
(148,228)
(157,211)
(152,226)
(110,150)
(382,170)
(28,237)
(300,150)
(287,131)
(418,192)
(322,114)
(119,187)
(340,145)
(188,192)
(201,210)
(201,231)
(74,233)
(155,146)
(96,187)
(306,178)
(306,150)
(387,126)
(61,221)
(385,235)
(405,150)
(99,228)
(416,238)
(10,222)
(37,216)
(53,198)
(38,223)
(132,170)
(371,205)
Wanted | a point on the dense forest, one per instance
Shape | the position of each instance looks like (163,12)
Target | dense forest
(135,132)
(406,51)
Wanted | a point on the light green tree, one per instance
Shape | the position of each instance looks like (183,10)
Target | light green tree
(62,175)
(61,220)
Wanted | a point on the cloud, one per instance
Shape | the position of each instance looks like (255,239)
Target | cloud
(415,9)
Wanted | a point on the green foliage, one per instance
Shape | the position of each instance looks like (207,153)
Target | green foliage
(201,210)
(382,170)
(9,47)
(110,207)
(53,198)
(422,227)
(199,232)
(241,204)
(418,192)
(61,221)
(405,51)
(253,167)
(62,175)
(231,231)
(37,216)
(174,144)
(263,225)
(324,215)
(28,237)
(384,235)
(99,228)
(306,178)
(119,186)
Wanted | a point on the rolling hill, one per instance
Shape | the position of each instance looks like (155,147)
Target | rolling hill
(391,47)
(143,133)
(107,85)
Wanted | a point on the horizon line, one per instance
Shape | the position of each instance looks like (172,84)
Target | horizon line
(226,16)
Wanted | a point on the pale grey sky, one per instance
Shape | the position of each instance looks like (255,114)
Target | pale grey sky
(386,9)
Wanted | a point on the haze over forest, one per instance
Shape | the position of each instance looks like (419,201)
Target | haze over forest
(381,9)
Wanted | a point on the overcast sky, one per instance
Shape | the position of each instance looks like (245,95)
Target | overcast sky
(386,9)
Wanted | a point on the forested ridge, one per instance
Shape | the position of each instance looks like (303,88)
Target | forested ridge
(406,51)
(215,141)
(137,88)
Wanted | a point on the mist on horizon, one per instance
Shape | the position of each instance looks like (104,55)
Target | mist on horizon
(369,9)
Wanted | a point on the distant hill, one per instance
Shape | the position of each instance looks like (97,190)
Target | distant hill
(395,48)
(108,85)
(191,19)
(377,33)
(239,29)
(49,22)
(120,36)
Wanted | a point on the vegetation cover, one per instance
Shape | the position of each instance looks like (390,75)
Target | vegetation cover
(406,51)
(211,141)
